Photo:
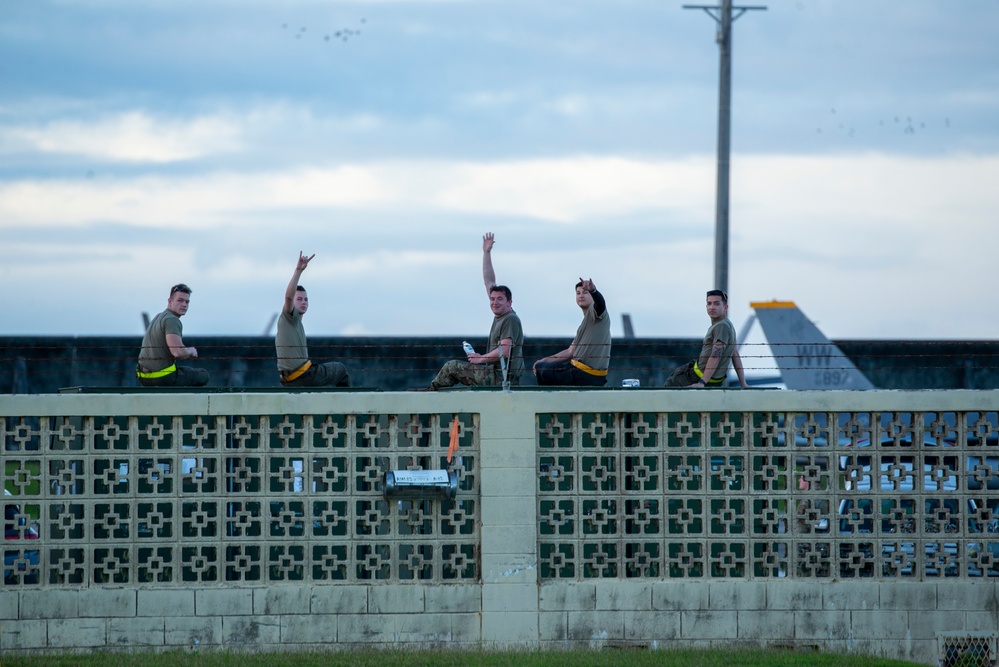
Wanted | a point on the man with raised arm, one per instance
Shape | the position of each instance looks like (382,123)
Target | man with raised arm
(584,363)
(163,345)
(717,351)
(292,350)
(506,337)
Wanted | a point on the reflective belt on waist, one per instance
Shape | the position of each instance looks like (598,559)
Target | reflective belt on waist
(155,374)
(700,374)
(297,373)
(586,369)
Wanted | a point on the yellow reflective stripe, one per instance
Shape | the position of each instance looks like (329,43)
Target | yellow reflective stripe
(586,369)
(156,374)
(700,374)
(297,373)
(772,304)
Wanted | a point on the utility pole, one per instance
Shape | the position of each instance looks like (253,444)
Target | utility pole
(723,16)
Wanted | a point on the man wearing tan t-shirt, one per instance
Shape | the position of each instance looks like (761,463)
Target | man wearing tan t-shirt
(506,339)
(584,363)
(294,365)
(718,350)
(163,345)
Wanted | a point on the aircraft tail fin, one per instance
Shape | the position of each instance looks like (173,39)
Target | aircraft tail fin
(806,358)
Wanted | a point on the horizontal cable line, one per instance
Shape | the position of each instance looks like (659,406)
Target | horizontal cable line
(434,369)
(319,342)
(458,355)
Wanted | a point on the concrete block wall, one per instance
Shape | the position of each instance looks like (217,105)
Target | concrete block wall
(276,618)
(897,620)
(890,619)
(509,605)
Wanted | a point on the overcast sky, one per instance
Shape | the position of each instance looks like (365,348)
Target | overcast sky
(208,141)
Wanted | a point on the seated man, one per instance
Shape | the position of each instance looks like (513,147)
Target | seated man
(163,345)
(506,338)
(292,349)
(717,351)
(584,363)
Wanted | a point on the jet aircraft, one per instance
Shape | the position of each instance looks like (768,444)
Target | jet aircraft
(805,357)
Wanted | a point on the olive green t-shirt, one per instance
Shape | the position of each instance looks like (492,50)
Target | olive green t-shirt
(508,326)
(592,344)
(155,354)
(723,332)
(290,343)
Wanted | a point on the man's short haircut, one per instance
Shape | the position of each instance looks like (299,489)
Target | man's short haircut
(718,292)
(180,287)
(579,284)
(299,288)
(504,289)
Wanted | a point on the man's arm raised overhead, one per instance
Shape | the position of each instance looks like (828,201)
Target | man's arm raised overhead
(488,275)
(289,293)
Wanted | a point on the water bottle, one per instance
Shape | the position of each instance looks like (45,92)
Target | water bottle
(468,347)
